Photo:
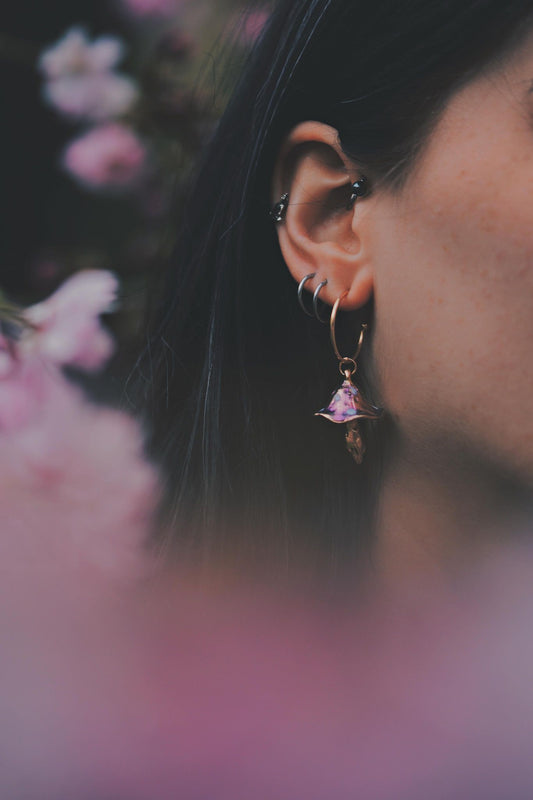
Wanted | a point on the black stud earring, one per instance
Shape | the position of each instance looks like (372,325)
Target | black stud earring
(277,212)
(360,188)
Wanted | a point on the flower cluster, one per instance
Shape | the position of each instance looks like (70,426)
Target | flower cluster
(80,77)
(82,84)
(75,490)
(61,331)
(140,125)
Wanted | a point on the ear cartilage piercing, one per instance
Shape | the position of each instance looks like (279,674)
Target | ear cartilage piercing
(360,188)
(278,212)
(301,290)
(347,404)
(315,301)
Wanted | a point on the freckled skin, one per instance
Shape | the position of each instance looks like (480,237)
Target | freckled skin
(453,280)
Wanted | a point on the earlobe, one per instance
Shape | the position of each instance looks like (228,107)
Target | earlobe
(315,189)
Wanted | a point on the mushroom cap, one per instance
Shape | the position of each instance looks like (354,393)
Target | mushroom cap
(348,404)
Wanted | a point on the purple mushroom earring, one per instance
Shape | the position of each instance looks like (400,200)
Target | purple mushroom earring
(347,404)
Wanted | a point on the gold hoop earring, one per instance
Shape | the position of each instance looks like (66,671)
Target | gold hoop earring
(347,405)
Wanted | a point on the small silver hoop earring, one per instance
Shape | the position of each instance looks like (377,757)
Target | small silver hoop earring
(301,290)
(315,302)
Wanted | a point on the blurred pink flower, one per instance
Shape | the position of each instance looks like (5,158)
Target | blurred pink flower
(94,97)
(75,490)
(21,388)
(62,330)
(251,26)
(66,328)
(80,82)
(109,156)
(74,54)
(143,8)
(181,688)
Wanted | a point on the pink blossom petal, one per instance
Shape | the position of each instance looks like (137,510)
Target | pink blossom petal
(22,393)
(105,53)
(74,486)
(90,291)
(68,55)
(7,361)
(96,97)
(67,327)
(80,344)
(109,156)
(74,54)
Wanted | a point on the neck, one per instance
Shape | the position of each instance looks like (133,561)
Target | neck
(434,521)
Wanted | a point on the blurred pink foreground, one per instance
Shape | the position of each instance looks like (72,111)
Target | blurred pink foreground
(122,679)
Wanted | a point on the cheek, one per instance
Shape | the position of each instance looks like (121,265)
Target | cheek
(454,322)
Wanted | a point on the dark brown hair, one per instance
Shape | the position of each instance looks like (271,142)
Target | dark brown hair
(233,371)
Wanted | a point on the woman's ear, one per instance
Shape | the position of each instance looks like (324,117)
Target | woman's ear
(321,231)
